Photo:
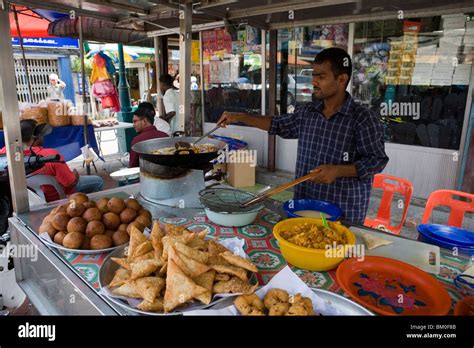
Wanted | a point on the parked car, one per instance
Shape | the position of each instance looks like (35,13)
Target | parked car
(300,86)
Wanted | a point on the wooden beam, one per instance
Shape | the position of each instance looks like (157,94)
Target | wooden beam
(283,7)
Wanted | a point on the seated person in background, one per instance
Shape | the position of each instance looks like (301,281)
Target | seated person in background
(143,119)
(70,180)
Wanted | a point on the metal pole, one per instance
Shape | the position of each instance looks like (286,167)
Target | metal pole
(11,121)
(84,98)
(350,50)
(201,72)
(272,83)
(125,114)
(263,72)
(25,64)
(185,23)
(158,72)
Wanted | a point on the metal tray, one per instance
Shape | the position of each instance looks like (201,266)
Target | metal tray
(107,272)
(79,251)
(345,305)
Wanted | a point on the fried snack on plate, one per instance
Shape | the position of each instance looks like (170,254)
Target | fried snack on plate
(239,272)
(235,286)
(194,254)
(279,309)
(298,301)
(214,250)
(149,287)
(136,238)
(297,309)
(123,262)
(190,267)
(128,290)
(249,305)
(238,261)
(179,288)
(121,276)
(155,306)
(141,250)
(144,268)
(222,277)
(156,237)
(275,296)
(206,280)
(148,256)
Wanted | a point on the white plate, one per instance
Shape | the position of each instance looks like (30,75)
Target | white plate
(126,174)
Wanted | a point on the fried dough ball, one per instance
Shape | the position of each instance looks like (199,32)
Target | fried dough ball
(79,197)
(275,296)
(74,209)
(73,240)
(133,204)
(249,305)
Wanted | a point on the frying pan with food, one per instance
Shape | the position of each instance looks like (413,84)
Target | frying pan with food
(181,158)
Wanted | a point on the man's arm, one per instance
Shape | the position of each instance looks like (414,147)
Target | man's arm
(328,173)
(286,126)
(167,117)
(262,122)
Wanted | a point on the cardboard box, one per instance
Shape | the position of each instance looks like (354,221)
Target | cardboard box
(241,173)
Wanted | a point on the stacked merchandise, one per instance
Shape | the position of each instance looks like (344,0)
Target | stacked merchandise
(402,55)
(103,88)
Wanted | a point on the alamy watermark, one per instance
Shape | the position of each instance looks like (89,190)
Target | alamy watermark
(400,109)
(237,156)
(19,251)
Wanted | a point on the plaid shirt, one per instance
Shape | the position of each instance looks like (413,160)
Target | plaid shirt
(353,135)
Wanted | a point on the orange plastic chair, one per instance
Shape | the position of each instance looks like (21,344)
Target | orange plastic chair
(397,185)
(445,198)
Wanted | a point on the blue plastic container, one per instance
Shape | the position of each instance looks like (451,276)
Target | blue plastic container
(330,209)
(447,237)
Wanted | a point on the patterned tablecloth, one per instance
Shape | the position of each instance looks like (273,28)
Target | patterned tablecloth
(263,249)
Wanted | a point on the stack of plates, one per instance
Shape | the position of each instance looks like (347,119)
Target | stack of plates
(447,237)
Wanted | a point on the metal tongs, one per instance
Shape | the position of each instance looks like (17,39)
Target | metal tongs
(278,189)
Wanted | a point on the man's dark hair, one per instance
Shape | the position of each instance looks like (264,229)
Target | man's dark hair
(167,79)
(145,110)
(340,61)
(27,130)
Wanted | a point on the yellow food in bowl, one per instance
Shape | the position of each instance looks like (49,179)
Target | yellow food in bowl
(333,248)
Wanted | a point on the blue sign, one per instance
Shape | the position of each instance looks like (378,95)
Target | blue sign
(47,42)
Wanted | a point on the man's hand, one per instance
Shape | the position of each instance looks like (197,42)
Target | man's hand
(327,174)
(228,117)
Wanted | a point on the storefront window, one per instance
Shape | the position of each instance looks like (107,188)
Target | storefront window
(232,71)
(415,74)
(297,48)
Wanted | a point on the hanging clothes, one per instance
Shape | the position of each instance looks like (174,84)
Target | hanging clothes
(99,69)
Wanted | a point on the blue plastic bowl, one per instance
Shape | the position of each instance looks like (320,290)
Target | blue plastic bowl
(330,209)
(428,234)
(448,234)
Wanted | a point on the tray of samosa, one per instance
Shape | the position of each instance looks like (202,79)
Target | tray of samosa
(175,270)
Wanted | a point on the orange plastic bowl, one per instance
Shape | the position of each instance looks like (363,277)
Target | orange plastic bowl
(309,258)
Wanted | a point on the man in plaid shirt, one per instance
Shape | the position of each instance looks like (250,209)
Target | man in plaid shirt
(338,139)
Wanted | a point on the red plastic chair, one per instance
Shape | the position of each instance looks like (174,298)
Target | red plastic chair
(445,198)
(398,185)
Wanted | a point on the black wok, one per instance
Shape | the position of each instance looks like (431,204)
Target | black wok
(191,161)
